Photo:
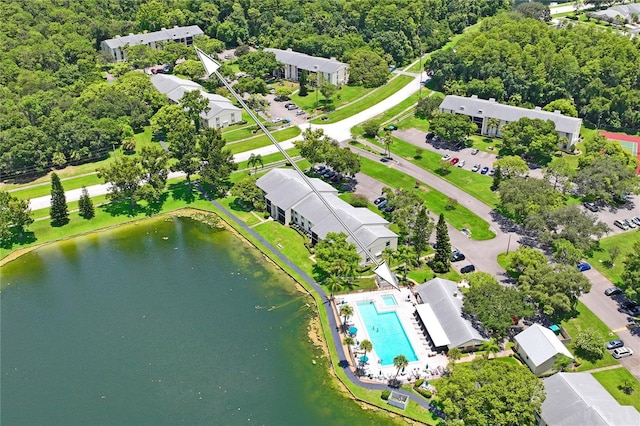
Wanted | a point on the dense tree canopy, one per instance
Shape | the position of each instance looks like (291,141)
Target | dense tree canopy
(491,393)
(538,64)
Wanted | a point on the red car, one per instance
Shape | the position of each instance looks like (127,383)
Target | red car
(455,160)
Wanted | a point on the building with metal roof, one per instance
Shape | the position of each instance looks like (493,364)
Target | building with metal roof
(482,110)
(539,348)
(221,113)
(115,47)
(290,201)
(623,13)
(331,70)
(440,310)
(579,399)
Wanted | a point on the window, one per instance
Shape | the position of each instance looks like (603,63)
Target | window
(388,244)
(217,121)
(233,117)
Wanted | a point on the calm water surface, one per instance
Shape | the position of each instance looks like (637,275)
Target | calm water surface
(166,322)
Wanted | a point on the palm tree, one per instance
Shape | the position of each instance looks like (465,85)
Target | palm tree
(254,161)
(348,341)
(387,140)
(491,347)
(366,346)
(494,123)
(346,311)
(400,362)
(388,255)
(406,256)
(334,284)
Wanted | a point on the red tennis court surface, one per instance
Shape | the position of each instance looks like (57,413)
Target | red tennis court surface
(630,142)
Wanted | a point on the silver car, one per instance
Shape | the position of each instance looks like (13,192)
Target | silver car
(622,352)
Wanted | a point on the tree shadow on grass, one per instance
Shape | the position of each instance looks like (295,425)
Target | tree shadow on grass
(156,206)
(123,208)
(240,206)
(182,191)
(19,239)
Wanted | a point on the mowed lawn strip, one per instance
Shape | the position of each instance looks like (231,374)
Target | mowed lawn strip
(611,379)
(346,95)
(459,217)
(475,184)
(600,258)
(583,321)
(31,192)
(263,140)
(373,98)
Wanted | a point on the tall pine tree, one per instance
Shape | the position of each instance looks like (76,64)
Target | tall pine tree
(86,205)
(304,91)
(442,259)
(59,212)
(421,232)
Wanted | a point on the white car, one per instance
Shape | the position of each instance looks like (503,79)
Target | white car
(446,157)
(475,167)
(622,352)
(461,163)
(276,120)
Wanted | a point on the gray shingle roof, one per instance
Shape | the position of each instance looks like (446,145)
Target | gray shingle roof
(162,35)
(439,294)
(175,87)
(285,188)
(579,399)
(625,10)
(477,107)
(306,62)
(540,344)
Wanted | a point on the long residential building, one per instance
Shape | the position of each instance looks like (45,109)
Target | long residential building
(291,201)
(115,47)
(481,111)
(222,112)
(331,70)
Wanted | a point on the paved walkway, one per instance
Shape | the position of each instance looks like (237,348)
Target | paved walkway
(328,306)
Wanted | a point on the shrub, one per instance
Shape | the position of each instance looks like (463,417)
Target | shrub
(385,394)
(359,200)
(418,383)
(590,344)
(426,393)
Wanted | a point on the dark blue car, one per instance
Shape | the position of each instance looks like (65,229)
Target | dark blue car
(583,266)
(484,170)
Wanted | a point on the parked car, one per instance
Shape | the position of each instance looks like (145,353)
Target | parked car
(300,112)
(461,163)
(327,171)
(636,220)
(612,291)
(378,200)
(385,159)
(288,104)
(454,250)
(492,172)
(292,107)
(630,223)
(430,136)
(276,120)
(622,352)
(382,204)
(457,257)
(620,224)
(454,160)
(475,167)
(633,311)
(583,266)
(389,209)
(467,269)
(590,206)
(446,157)
(318,168)
(614,344)
(484,170)
(474,151)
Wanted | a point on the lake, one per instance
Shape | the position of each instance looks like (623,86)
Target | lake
(168,321)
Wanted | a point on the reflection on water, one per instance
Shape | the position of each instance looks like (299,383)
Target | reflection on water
(156,323)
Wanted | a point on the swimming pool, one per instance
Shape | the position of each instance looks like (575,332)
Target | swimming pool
(389,300)
(386,333)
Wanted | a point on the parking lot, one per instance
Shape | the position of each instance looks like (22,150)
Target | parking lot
(278,109)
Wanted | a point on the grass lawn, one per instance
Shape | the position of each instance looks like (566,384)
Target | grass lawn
(475,184)
(394,114)
(44,188)
(585,320)
(263,140)
(240,211)
(425,273)
(373,98)
(610,379)
(344,95)
(459,217)
(600,258)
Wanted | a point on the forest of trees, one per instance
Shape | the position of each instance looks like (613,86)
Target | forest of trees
(526,62)
(57,109)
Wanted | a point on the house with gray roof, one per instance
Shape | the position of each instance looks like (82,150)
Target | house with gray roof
(623,13)
(539,348)
(222,112)
(440,308)
(290,201)
(579,399)
(331,70)
(482,110)
(115,47)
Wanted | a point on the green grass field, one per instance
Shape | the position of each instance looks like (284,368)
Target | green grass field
(586,319)
(601,258)
(394,114)
(263,140)
(611,379)
(344,95)
(459,217)
(373,98)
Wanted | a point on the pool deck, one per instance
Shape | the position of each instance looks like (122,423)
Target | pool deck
(405,309)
